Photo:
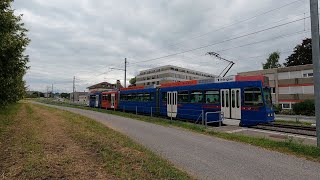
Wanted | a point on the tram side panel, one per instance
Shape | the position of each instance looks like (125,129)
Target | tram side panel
(141,100)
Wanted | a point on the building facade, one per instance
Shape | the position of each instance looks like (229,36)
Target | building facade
(289,85)
(169,73)
(79,97)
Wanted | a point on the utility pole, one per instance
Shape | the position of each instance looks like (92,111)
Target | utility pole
(125,72)
(74,87)
(315,59)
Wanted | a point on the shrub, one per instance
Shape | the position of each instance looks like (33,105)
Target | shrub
(277,108)
(304,108)
(287,112)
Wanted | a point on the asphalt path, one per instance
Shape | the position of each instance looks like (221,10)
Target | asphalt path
(207,157)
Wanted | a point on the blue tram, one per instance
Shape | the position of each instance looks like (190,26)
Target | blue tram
(138,99)
(95,99)
(246,101)
(243,98)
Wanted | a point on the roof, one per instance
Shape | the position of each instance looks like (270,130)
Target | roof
(280,69)
(105,85)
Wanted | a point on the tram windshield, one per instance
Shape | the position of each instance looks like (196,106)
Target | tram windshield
(267,96)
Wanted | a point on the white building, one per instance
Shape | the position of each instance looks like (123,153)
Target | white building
(169,73)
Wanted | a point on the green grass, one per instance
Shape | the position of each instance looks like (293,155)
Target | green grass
(29,151)
(298,123)
(289,146)
(19,137)
(122,157)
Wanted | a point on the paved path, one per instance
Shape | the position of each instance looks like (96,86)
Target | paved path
(207,157)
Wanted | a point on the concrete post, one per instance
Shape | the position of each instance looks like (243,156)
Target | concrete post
(315,59)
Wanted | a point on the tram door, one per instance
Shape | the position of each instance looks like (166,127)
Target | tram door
(97,101)
(172,98)
(231,103)
(235,103)
(225,102)
(113,98)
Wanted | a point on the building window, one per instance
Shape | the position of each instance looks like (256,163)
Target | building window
(307,75)
(286,106)
(273,90)
(158,82)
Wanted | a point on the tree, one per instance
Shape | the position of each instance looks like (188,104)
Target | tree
(302,54)
(133,81)
(272,61)
(65,95)
(13,42)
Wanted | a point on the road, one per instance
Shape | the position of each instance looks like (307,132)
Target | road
(208,157)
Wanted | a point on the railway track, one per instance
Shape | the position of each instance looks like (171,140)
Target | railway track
(294,129)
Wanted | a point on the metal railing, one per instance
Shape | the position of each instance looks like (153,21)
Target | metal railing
(221,117)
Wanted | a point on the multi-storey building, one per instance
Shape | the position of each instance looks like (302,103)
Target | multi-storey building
(289,85)
(169,73)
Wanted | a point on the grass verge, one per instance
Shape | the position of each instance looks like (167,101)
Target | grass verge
(297,123)
(46,143)
(289,146)
(121,157)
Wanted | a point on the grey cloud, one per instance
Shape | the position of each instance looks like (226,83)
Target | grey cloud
(83,38)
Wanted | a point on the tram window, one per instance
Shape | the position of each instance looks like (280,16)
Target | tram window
(238,98)
(146,97)
(164,96)
(123,97)
(151,97)
(93,97)
(253,96)
(196,97)
(227,98)
(222,103)
(233,99)
(129,97)
(134,97)
(140,97)
(108,97)
(212,97)
(183,96)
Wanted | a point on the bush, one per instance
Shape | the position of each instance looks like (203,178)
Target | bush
(277,108)
(304,108)
(287,112)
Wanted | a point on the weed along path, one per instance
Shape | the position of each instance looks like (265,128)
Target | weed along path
(208,157)
(38,142)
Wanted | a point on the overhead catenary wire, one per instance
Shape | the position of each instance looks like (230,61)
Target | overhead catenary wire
(239,22)
(272,23)
(220,42)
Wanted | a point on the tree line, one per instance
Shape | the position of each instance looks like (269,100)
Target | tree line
(302,55)
(13,62)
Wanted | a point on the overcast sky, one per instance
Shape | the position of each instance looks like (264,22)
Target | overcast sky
(84,38)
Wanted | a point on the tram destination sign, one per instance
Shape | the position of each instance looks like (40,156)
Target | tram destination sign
(217,80)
